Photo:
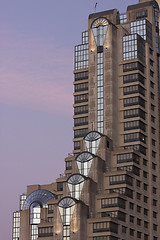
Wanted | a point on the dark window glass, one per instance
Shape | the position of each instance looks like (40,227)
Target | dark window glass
(81,109)
(80,132)
(81,98)
(80,121)
(59,186)
(81,76)
(136,77)
(81,87)
(133,66)
(141,14)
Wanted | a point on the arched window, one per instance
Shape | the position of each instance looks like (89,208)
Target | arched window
(66,208)
(92,141)
(84,162)
(34,202)
(75,185)
(99,28)
(35,218)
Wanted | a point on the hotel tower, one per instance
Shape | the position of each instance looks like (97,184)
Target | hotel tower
(110,189)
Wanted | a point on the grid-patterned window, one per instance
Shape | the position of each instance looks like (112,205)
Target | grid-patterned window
(80,132)
(80,121)
(134,125)
(123,18)
(81,98)
(100,104)
(133,66)
(133,78)
(134,101)
(136,136)
(143,28)
(84,37)
(133,47)
(81,87)
(76,145)
(113,202)
(68,165)
(141,14)
(122,191)
(136,112)
(127,157)
(45,231)
(81,76)
(22,200)
(105,227)
(16,225)
(120,179)
(133,89)
(105,238)
(81,109)
(81,56)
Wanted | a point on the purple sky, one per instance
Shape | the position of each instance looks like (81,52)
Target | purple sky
(37,40)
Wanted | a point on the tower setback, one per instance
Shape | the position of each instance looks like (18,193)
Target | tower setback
(110,189)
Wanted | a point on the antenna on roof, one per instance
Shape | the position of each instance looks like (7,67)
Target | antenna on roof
(95,7)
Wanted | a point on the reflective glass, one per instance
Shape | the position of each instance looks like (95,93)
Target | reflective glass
(92,140)
(41,196)
(84,162)
(75,185)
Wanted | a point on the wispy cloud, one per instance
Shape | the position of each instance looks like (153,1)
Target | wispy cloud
(35,73)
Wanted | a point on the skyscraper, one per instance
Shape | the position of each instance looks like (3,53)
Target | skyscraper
(111,185)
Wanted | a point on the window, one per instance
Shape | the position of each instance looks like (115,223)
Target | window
(133,47)
(81,76)
(145,174)
(143,28)
(50,208)
(59,186)
(68,165)
(105,227)
(131,219)
(154,214)
(145,199)
(127,157)
(152,95)
(145,224)
(152,84)
(145,212)
(154,178)
(154,190)
(123,18)
(136,77)
(81,98)
(133,100)
(151,73)
(120,179)
(77,145)
(153,166)
(131,232)
(81,87)
(122,191)
(80,132)
(92,141)
(133,89)
(138,196)
(136,112)
(153,142)
(124,229)
(75,185)
(16,225)
(141,14)
(85,37)
(154,227)
(151,62)
(153,130)
(133,66)
(154,202)
(45,231)
(145,186)
(131,137)
(81,109)
(131,206)
(134,125)
(139,235)
(84,162)
(138,221)
(80,121)
(112,202)
(81,56)
(138,209)
(138,183)
(152,119)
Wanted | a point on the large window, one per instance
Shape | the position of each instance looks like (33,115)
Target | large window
(81,56)
(81,87)
(133,66)
(80,121)
(136,136)
(127,157)
(45,231)
(75,185)
(133,78)
(81,76)
(66,208)
(133,89)
(113,202)
(134,125)
(84,162)
(133,47)
(134,101)
(16,225)
(81,109)
(120,179)
(80,132)
(136,112)
(105,227)
(81,98)
(35,212)
(92,141)
(142,14)
(143,28)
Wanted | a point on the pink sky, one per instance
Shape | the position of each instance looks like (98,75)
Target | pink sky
(37,40)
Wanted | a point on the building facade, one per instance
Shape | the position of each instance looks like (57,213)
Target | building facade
(110,189)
